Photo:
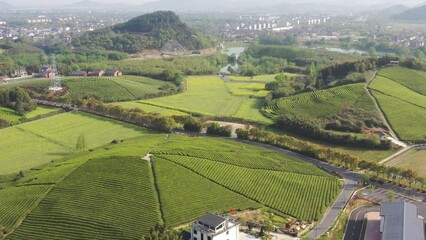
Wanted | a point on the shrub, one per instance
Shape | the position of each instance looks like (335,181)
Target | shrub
(216,129)
(193,125)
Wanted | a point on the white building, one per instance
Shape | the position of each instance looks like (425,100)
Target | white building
(214,227)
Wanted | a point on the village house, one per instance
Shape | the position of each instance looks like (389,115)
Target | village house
(113,73)
(45,72)
(80,74)
(20,73)
(214,227)
(96,73)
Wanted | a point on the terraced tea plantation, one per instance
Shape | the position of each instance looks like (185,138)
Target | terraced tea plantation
(9,116)
(415,80)
(323,103)
(282,183)
(106,198)
(124,88)
(402,106)
(13,118)
(114,89)
(210,96)
(113,192)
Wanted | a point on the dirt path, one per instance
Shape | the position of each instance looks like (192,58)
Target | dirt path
(228,80)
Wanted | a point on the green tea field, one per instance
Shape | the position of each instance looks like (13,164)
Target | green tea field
(9,116)
(211,96)
(34,143)
(112,193)
(123,88)
(323,103)
(402,106)
(415,80)
(104,198)
(117,89)
(255,173)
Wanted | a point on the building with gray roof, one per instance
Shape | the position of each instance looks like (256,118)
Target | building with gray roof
(400,221)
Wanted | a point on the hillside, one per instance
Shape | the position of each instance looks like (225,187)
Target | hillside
(393,10)
(111,193)
(415,14)
(401,94)
(149,31)
(5,5)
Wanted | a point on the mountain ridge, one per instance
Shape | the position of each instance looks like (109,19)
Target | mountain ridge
(414,14)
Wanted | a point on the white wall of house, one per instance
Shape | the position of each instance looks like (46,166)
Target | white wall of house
(228,233)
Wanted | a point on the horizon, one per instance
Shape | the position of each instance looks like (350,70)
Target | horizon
(32,4)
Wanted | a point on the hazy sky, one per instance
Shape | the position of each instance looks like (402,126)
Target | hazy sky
(344,2)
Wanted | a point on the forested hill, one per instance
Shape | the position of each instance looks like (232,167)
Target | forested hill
(5,5)
(415,14)
(149,31)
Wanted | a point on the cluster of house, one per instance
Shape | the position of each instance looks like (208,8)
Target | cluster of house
(98,73)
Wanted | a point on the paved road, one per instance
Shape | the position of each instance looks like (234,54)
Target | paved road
(380,195)
(351,179)
(356,220)
(354,227)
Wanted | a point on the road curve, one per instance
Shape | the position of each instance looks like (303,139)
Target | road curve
(354,229)
(350,179)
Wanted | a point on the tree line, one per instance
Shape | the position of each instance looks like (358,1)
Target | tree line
(382,173)
(316,128)
(17,99)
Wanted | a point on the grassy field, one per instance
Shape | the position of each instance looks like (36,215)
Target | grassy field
(210,96)
(106,198)
(255,173)
(415,80)
(31,144)
(402,106)
(259,78)
(415,160)
(41,110)
(323,103)
(151,109)
(247,89)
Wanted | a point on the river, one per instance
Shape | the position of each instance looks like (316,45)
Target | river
(230,51)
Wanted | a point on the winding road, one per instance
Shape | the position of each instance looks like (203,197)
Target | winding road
(356,220)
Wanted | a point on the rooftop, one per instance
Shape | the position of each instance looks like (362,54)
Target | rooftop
(212,220)
(400,221)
